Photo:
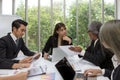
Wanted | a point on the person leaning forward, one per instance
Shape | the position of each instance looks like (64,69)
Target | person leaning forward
(9,48)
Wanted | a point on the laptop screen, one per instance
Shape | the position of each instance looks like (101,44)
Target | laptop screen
(68,73)
(65,69)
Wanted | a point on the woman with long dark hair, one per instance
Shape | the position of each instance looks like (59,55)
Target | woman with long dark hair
(58,38)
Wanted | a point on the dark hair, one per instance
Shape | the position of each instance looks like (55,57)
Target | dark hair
(94,27)
(57,27)
(17,23)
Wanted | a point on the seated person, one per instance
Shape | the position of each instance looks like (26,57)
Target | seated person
(94,52)
(58,38)
(109,37)
(9,48)
(18,76)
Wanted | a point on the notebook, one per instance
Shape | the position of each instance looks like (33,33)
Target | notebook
(68,73)
(34,71)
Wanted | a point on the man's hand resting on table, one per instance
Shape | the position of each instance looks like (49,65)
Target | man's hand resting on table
(76,48)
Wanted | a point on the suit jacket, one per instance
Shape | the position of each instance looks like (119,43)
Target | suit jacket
(99,56)
(116,73)
(108,73)
(51,43)
(9,50)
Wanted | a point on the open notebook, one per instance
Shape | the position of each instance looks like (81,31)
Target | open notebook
(36,71)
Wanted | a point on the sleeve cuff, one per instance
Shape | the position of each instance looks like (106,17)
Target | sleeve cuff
(103,71)
(82,52)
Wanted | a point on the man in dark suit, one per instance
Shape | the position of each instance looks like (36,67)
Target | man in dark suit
(96,53)
(11,44)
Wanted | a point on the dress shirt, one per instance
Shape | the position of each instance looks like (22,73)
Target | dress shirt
(13,37)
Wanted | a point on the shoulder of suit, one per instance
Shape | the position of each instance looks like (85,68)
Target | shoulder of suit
(52,37)
(118,67)
(5,37)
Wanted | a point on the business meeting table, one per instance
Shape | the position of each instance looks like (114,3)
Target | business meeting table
(51,71)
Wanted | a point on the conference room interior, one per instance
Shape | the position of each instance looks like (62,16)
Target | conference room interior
(42,15)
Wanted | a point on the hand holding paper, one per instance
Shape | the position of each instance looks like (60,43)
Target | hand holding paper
(36,56)
(26,60)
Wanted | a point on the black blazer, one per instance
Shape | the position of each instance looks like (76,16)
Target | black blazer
(116,73)
(51,43)
(108,73)
(99,56)
(9,50)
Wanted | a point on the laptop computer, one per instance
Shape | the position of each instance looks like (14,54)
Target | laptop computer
(68,73)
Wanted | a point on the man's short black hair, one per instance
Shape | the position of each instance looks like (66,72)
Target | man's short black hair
(18,22)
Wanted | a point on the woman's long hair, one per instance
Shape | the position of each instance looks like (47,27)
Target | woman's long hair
(110,35)
(57,27)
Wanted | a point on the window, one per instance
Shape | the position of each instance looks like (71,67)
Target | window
(76,14)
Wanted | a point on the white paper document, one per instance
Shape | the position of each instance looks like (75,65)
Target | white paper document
(70,52)
(36,71)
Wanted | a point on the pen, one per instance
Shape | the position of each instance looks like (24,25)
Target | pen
(78,70)
(42,69)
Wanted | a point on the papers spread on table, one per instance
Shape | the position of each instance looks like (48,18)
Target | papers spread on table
(36,71)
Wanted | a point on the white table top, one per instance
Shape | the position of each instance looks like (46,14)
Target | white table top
(52,69)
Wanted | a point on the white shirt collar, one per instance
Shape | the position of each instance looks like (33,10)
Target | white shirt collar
(95,42)
(115,61)
(13,37)
(115,64)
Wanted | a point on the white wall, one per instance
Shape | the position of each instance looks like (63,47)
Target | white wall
(0,6)
(5,23)
(118,9)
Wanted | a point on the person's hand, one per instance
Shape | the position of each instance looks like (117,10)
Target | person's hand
(20,65)
(46,55)
(26,60)
(36,56)
(66,38)
(25,65)
(76,48)
(92,72)
(21,76)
